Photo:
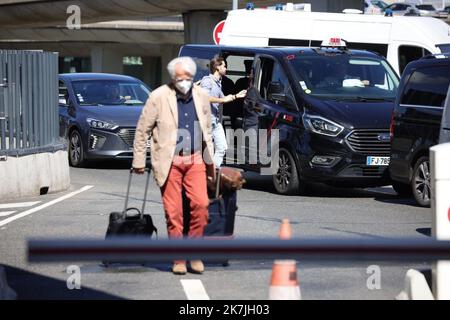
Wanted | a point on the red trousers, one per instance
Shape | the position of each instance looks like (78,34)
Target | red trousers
(188,172)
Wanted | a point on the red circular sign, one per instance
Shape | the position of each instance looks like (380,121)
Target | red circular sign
(217,33)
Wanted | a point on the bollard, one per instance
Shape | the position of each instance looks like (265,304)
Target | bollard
(440,205)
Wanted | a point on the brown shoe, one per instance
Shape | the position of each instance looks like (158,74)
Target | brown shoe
(197,266)
(179,268)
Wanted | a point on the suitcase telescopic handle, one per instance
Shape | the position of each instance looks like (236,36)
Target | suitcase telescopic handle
(217,182)
(145,191)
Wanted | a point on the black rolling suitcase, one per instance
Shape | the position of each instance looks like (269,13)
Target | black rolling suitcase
(126,224)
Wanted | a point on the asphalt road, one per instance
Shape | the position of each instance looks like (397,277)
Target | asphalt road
(323,212)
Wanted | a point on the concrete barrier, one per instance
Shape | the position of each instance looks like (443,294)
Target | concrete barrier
(416,287)
(440,205)
(6,293)
(34,175)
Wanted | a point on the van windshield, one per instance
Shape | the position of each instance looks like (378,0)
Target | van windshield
(346,77)
(110,92)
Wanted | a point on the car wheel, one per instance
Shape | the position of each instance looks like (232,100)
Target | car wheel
(402,189)
(286,180)
(76,154)
(421,182)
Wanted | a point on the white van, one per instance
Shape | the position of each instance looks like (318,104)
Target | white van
(399,39)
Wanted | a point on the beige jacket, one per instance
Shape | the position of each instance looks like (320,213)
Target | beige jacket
(159,118)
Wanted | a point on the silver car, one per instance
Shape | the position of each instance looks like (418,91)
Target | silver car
(427,10)
(444,135)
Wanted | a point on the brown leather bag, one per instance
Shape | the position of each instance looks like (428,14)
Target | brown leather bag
(231,179)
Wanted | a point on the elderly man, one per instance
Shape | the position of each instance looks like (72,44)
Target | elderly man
(178,117)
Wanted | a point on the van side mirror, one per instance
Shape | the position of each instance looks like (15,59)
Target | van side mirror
(275,92)
(274,87)
(278,97)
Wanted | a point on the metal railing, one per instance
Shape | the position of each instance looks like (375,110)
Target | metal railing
(140,249)
(29,121)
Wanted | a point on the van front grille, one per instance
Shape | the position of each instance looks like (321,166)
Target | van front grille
(374,142)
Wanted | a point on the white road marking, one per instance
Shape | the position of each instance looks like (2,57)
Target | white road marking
(18,205)
(194,290)
(6,213)
(45,205)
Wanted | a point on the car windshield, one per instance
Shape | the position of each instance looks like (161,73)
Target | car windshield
(445,48)
(110,92)
(343,76)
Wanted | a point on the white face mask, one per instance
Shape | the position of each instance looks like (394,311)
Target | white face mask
(184,86)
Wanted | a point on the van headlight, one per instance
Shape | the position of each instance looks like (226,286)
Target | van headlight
(322,125)
(98,124)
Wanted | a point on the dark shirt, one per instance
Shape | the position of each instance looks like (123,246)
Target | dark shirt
(189,134)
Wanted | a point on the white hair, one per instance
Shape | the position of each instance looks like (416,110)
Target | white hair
(188,65)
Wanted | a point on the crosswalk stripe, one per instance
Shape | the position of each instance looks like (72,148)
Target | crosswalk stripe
(45,205)
(6,213)
(18,205)
(194,289)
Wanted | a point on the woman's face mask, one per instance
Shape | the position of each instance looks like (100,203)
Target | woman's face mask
(183,85)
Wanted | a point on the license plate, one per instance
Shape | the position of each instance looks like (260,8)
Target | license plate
(378,161)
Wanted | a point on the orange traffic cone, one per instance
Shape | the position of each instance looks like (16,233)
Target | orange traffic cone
(284,284)
(285,230)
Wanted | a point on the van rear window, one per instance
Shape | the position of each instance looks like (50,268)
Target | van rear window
(427,87)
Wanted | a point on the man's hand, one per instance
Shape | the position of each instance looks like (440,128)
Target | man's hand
(211,184)
(228,98)
(139,170)
(241,94)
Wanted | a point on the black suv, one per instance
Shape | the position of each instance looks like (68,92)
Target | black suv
(331,107)
(415,124)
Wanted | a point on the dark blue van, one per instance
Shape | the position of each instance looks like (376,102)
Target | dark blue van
(416,123)
(98,114)
(331,106)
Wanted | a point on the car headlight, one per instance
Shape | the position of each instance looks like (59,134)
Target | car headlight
(322,125)
(98,124)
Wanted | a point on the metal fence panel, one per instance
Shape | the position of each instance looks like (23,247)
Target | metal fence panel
(35,100)
(29,118)
(2,103)
(28,78)
(16,98)
(10,103)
